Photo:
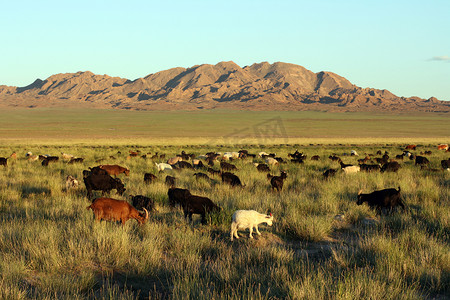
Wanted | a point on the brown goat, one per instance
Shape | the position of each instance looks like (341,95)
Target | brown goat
(115,170)
(116,210)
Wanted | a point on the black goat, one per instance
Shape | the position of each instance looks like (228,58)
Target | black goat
(392,166)
(231,179)
(149,178)
(383,199)
(140,202)
(422,160)
(170,181)
(227,166)
(198,205)
(277,181)
(263,168)
(177,196)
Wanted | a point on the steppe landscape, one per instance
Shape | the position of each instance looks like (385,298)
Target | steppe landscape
(225,150)
(322,245)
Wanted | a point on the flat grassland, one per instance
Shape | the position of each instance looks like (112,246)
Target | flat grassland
(58,126)
(321,245)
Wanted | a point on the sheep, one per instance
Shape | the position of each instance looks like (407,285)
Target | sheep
(250,219)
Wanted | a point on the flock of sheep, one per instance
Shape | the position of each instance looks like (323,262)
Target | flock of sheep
(100,178)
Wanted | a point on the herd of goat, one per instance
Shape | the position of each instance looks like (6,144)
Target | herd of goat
(100,178)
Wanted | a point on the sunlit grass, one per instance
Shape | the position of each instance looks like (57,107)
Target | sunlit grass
(51,247)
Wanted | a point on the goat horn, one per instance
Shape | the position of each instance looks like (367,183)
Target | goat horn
(360,191)
(146,213)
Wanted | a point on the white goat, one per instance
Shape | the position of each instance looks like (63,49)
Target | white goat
(261,154)
(250,219)
(351,169)
(71,182)
(66,156)
(271,161)
(163,166)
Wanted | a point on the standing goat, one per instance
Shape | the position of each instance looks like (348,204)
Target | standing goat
(250,219)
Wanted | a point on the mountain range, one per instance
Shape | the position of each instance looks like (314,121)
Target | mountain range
(261,86)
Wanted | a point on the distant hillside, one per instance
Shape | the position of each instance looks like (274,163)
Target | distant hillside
(261,86)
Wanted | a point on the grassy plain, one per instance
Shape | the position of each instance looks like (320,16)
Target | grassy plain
(51,248)
(58,126)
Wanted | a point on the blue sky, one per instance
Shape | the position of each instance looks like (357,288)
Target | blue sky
(402,46)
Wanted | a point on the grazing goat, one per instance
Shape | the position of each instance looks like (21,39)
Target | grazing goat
(183,165)
(213,172)
(71,182)
(177,196)
(174,160)
(387,198)
(392,166)
(170,181)
(277,181)
(140,202)
(442,147)
(329,173)
(231,179)
(315,157)
(410,147)
(262,168)
(422,160)
(102,182)
(74,160)
(227,166)
(351,169)
(271,161)
(3,161)
(334,158)
(149,178)
(200,175)
(198,205)
(66,156)
(115,170)
(445,163)
(243,219)
(162,166)
(344,165)
(116,210)
(369,168)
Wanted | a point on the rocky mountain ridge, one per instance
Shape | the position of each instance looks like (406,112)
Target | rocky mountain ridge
(261,86)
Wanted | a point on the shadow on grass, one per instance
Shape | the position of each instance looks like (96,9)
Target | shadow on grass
(30,191)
